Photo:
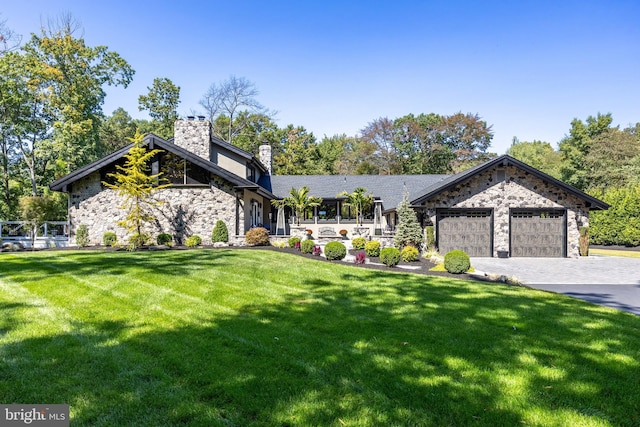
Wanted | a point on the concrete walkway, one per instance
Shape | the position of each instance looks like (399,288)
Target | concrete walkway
(608,281)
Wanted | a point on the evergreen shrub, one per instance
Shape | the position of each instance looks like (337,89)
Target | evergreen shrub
(409,254)
(457,262)
(164,239)
(109,238)
(258,236)
(220,232)
(390,256)
(306,246)
(335,251)
(292,241)
(82,235)
(358,243)
(193,241)
(372,248)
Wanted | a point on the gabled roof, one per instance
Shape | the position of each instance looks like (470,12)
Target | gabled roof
(154,141)
(504,160)
(388,188)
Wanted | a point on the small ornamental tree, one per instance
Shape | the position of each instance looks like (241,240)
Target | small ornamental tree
(299,201)
(35,210)
(408,231)
(359,200)
(136,185)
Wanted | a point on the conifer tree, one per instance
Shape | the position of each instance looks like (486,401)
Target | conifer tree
(136,185)
(409,231)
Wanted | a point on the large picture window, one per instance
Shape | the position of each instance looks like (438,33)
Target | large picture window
(177,171)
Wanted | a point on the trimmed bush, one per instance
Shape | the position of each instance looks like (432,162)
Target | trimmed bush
(335,251)
(82,235)
(138,240)
(358,243)
(292,241)
(372,248)
(306,246)
(164,239)
(258,236)
(220,232)
(109,238)
(457,262)
(193,241)
(390,256)
(409,254)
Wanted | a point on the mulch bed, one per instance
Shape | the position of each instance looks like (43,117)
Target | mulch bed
(422,266)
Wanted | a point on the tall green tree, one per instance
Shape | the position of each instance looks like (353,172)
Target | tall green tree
(613,159)
(161,102)
(577,145)
(296,148)
(538,154)
(136,185)
(256,129)
(380,134)
(116,130)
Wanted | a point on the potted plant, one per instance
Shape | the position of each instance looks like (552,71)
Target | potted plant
(343,233)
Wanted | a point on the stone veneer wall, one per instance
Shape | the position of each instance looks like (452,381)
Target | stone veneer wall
(519,190)
(185,211)
(194,136)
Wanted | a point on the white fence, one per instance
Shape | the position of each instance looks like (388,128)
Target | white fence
(51,234)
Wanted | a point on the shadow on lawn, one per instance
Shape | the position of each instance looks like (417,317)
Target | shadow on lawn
(389,350)
(86,263)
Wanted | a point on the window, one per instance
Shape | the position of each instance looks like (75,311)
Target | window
(177,171)
(251,173)
(256,213)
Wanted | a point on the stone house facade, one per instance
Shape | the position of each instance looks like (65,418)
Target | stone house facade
(502,206)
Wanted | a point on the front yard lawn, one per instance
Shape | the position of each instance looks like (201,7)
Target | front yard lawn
(253,337)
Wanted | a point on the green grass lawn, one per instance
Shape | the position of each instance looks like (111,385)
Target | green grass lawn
(252,337)
(614,252)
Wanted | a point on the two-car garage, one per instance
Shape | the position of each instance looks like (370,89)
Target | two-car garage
(532,232)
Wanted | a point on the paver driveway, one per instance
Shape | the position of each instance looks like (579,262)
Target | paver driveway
(609,281)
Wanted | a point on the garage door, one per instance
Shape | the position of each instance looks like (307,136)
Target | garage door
(538,233)
(467,230)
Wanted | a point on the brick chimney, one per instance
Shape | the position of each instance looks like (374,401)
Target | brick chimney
(265,156)
(194,135)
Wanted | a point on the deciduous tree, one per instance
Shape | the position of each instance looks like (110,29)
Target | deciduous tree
(538,154)
(161,102)
(229,98)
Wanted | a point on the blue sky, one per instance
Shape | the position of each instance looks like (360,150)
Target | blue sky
(526,67)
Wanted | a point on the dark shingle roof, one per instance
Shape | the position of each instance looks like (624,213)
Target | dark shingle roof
(156,142)
(388,188)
